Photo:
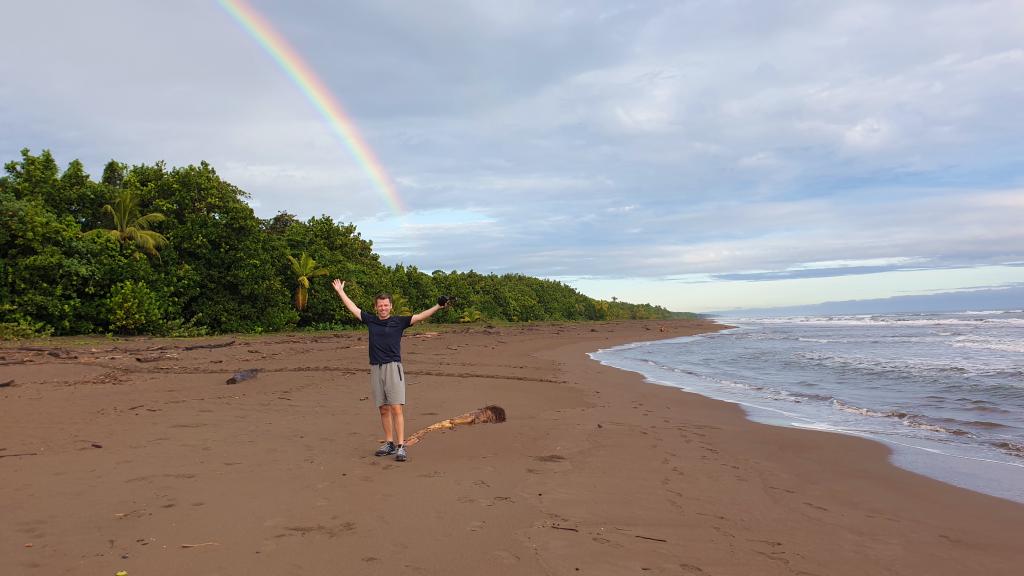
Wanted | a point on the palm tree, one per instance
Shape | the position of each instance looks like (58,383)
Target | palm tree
(305,268)
(130,228)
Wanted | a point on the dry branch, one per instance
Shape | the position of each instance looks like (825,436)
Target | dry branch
(486,415)
(200,545)
(218,345)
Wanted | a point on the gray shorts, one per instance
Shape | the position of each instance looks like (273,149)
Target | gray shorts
(388,383)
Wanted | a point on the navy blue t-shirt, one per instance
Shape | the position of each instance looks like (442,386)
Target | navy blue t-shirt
(386,337)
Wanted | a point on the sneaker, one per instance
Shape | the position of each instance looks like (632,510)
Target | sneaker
(400,454)
(386,449)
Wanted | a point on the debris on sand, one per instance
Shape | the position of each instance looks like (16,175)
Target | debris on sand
(243,375)
(204,346)
(486,415)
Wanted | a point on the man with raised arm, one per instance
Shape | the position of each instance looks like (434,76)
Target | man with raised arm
(387,379)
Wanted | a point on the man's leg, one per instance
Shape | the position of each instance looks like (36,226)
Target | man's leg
(386,422)
(398,417)
(388,447)
(394,387)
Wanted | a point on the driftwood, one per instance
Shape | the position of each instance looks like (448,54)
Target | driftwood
(486,415)
(218,345)
(155,357)
(6,384)
(243,375)
(200,545)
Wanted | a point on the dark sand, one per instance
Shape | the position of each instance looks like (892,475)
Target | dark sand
(158,467)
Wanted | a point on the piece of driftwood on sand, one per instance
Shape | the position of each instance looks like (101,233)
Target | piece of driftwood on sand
(243,375)
(486,415)
(207,346)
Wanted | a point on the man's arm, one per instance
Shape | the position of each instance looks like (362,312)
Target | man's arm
(339,287)
(426,313)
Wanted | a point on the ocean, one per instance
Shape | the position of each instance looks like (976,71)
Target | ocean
(944,391)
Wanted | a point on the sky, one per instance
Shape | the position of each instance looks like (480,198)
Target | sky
(700,155)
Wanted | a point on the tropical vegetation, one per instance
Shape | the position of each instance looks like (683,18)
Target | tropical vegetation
(149,249)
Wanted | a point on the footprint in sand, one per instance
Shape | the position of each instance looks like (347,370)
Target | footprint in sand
(606,542)
(506,556)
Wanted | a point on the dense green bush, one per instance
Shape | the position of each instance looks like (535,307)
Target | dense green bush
(134,309)
(18,327)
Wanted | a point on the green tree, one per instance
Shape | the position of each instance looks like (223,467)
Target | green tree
(114,173)
(130,227)
(304,268)
(51,273)
(240,275)
(34,177)
(279,224)
(340,249)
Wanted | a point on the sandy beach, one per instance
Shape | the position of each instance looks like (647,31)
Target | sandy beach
(136,455)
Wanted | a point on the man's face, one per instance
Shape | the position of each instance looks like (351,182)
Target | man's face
(383,307)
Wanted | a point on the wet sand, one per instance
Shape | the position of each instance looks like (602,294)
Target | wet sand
(136,455)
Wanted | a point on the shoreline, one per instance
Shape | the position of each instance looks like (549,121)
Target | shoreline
(962,471)
(595,469)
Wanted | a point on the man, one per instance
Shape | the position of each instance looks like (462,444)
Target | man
(387,379)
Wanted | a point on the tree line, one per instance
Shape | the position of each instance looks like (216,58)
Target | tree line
(177,251)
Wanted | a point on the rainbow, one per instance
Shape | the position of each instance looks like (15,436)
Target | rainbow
(303,76)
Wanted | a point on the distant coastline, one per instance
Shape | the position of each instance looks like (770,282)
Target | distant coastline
(1007,298)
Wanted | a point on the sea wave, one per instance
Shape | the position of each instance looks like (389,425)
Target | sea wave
(985,406)
(984,312)
(988,343)
(873,364)
(840,405)
(1010,448)
(866,320)
(916,421)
